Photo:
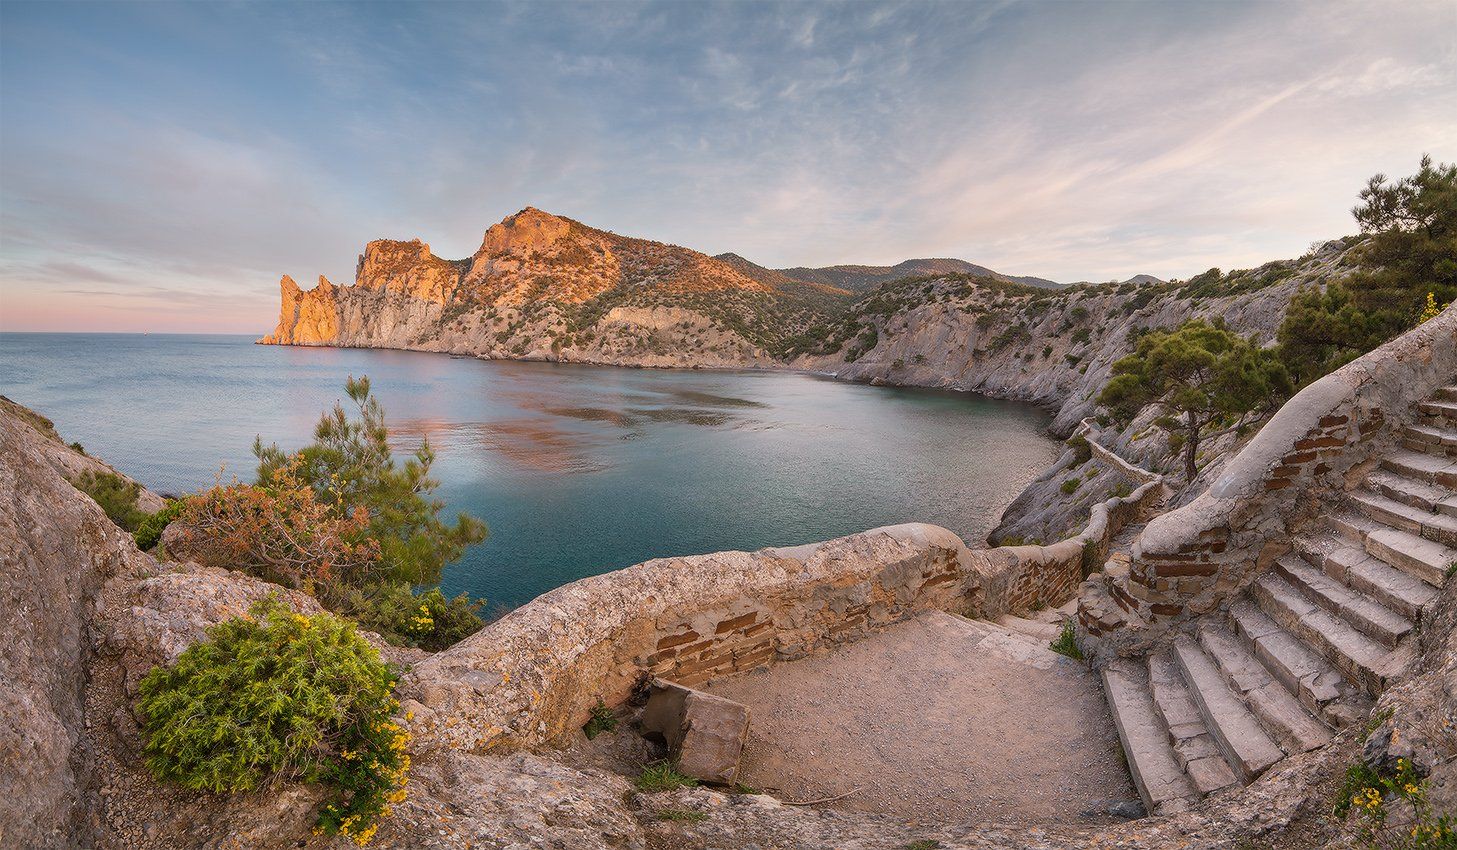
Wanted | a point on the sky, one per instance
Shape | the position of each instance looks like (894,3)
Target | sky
(162,164)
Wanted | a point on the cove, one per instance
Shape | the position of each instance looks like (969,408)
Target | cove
(578,470)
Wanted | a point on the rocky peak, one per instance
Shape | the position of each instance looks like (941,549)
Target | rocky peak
(526,231)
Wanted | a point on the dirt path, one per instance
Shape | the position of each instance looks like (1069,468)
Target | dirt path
(934,719)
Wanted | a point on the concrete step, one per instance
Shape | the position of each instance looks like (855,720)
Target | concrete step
(1361,611)
(1360,659)
(1352,526)
(1416,556)
(1293,728)
(1194,747)
(1423,523)
(1301,669)
(1037,631)
(1354,567)
(1441,409)
(1436,440)
(1244,742)
(1410,491)
(1421,466)
(1160,781)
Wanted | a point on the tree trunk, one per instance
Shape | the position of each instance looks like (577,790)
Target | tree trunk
(1191,447)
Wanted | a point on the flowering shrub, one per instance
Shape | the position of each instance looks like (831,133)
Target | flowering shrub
(280,532)
(1392,810)
(429,620)
(275,695)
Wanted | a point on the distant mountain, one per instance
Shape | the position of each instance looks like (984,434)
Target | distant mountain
(861,278)
(779,279)
(1136,280)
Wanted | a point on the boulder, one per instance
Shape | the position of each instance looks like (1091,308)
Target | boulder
(705,733)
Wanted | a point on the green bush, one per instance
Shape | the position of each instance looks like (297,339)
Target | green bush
(428,620)
(1409,252)
(149,530)
(116,495)
(275,695)
(602,720)
(351,469)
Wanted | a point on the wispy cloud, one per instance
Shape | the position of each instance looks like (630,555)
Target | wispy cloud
(178,160)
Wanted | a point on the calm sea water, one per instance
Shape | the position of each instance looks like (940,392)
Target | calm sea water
(576,469)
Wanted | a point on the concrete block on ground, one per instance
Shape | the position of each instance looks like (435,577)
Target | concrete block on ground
(705,733)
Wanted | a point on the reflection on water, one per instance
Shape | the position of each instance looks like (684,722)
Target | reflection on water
(576,469)
(541,445)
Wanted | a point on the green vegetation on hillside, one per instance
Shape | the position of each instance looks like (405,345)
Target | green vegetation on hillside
(279,696)
(116,495)
(1409,251)
(340,519)
(1209,380)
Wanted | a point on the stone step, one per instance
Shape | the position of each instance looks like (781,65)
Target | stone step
(1036,630)
(1423,523)
(1410,491)
(1244,742)
(1364,613)
(1194,748)
(1162,784)
(1416,556)
(1421,466)
(1297,666)
(1448,393)
(1293,728)
(1432,439)
(1360,659)
(1354,567)
(1442,409)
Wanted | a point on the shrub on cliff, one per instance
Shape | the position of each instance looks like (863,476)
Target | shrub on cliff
(429,620)
(1209,380)
(116,495)
(1410,250)
(276,695)
(149,530)
(281,532)
(350,468)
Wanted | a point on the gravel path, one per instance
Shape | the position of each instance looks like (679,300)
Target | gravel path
(934,721)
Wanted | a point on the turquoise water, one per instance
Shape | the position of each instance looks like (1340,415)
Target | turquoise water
(577,469)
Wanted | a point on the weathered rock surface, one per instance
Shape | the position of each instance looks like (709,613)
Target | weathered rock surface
(69,462)
(705,733)
(56,550)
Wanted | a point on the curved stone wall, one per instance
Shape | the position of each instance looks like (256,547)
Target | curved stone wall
(1188,560)
(532,677)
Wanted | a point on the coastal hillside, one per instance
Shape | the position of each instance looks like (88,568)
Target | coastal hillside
(543,287)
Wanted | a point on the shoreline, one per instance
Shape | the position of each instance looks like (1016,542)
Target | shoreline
(1047,406)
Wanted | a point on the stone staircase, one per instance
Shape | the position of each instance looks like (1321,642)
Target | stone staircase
(1304,649)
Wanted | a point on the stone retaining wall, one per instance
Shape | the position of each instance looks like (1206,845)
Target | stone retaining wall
(1319,442)
(1089,430)
(532,677)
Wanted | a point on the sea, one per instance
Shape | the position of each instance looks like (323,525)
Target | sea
(577,470)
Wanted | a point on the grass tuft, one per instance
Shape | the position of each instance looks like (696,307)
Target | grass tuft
(1067,642)
(663,776)
(602,720)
